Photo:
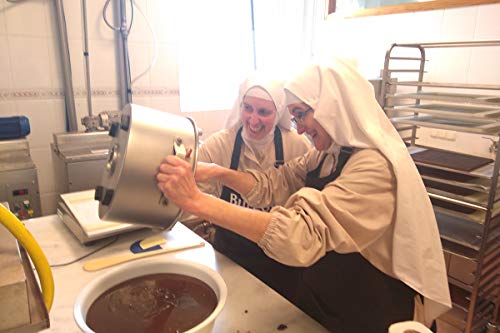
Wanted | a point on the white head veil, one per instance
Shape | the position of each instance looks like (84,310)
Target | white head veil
(344,104)
(274,87)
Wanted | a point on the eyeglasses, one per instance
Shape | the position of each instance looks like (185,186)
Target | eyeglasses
(299,118)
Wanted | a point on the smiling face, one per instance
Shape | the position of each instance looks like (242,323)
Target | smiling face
(306,123)
(258,116)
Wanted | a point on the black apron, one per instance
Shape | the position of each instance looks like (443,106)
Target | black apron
(344,292)
(281,278)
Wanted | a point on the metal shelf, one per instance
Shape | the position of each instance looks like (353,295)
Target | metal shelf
(474,184)
(463,189)
(485,172)
(447,85)
(459,231)
(477,126)
(449,97)
(449,111)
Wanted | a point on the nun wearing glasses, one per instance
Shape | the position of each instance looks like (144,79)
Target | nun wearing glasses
(258,136)
(357,219)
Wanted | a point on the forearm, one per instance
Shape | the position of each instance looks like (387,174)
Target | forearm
(249,223)
(241,182)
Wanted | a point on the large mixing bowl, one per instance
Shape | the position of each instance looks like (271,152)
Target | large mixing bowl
(147,267)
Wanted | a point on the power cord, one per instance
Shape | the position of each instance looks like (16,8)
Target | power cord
(88,254)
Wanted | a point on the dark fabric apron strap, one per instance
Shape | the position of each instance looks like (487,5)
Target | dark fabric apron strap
(235,161)
(278,148)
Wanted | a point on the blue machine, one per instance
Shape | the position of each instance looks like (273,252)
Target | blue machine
(14,127)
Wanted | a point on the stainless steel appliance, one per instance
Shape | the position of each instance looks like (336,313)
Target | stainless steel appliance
(21,305)
(79,159)
(141,140)
(18,179)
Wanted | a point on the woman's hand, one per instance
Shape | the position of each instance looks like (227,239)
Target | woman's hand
(176,181)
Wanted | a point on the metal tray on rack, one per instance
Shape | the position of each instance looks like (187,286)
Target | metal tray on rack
(454,179)
(478,126)
(450,97)
(476,216)
(482,172)
(454,111)
(459,231)
(476,200)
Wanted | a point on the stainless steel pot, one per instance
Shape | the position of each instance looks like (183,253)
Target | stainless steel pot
(142,139)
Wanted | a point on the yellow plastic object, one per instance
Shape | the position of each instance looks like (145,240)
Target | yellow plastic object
(152,241)
(19,231)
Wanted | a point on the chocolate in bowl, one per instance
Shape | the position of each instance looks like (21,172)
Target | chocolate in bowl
(142,300)
(164,302)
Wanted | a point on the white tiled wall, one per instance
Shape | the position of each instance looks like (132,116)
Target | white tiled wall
(30,60)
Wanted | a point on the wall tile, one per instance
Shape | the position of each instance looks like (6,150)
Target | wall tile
(165,73)
(8,109)
(164,17)
(459,23)
(27,18)
(169,104)
(56,68)
(103,64)
(143,100)
(74,18)
(140,31)
(81,107)
(485,66)
(430,31)
(5,65)
(97,28)
(3,29)
(78,63)
(140,60)
(52,26)
(105,104)
(46,118)
(30,62)
(487,26)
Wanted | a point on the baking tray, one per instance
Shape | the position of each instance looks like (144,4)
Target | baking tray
(476,216)
(478,126)
(459,231)
(467,196)
(455,111)
(485,172)
(450,160)
(455,179)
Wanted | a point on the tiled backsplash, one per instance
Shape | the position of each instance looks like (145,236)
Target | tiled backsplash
(49,94)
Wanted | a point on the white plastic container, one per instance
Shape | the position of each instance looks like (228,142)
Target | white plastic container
(146,267)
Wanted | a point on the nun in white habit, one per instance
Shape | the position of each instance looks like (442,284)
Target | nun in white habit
(258,136)
(362,226)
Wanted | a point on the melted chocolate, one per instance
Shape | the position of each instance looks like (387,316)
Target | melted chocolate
(152,303)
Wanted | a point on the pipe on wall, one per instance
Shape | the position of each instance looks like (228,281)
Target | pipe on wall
(86,55)
(69,97)
(122,56)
